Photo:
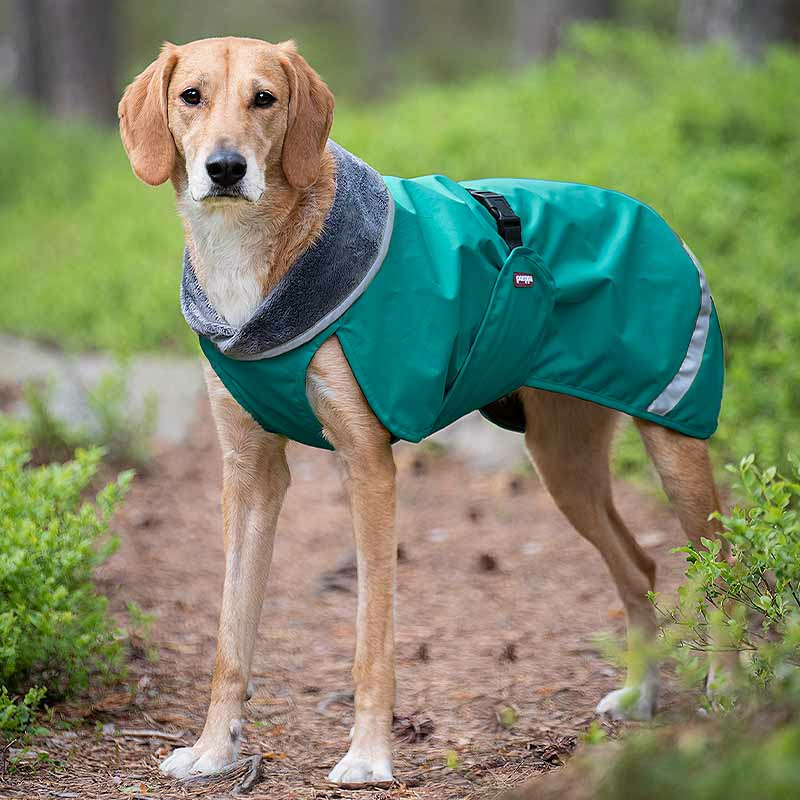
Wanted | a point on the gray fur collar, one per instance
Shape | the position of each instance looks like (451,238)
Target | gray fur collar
(321,285)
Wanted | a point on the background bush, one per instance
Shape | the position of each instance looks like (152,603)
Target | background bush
(54,630)
(709,141)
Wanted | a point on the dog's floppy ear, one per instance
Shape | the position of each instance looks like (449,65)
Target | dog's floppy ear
(143,120)
(310,119)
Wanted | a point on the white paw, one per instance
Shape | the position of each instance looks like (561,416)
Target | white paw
(632,702)
(358,770)
(191,762)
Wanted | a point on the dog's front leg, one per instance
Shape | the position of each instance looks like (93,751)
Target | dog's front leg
(370,487)
(365,449)
(255,479)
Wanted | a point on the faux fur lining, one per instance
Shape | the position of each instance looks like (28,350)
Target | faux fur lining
(321,285)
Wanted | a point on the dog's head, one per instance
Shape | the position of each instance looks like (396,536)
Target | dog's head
(225,118)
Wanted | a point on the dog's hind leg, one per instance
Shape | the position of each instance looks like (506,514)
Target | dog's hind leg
(255,479)
(365,449)
(569,442)
(686,474)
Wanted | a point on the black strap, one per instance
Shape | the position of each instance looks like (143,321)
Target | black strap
(508,224)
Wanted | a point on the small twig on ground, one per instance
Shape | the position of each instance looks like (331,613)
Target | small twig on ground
(152,734)
(413,728)
(3,757)
(249,768)
(356,786)
(251,778)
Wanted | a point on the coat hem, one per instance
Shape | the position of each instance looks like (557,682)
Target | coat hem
(665,422)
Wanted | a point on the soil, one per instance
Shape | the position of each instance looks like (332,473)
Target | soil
(499,604)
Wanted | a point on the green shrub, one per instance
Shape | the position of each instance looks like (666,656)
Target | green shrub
(709,141)
(748,603)
(54,628)
(16,714)
(749,748)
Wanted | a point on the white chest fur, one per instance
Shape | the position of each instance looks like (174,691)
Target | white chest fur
(233,262)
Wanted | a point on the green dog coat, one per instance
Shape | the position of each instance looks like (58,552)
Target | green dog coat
(437,317)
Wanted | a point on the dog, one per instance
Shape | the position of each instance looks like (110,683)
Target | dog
(240,127)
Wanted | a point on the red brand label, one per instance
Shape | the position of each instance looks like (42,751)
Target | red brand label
(523,279)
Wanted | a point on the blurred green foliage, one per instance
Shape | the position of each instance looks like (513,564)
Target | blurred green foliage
(753,759)
(91,258)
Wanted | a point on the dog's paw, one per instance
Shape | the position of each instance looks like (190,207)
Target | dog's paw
(625,704)
(192,762)
(362,770)
(632,702)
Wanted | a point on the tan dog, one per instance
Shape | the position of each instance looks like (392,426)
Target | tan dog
(256,117)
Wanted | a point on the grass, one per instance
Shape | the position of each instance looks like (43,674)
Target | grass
(91,257)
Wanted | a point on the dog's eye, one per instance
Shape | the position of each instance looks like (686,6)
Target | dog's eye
(191,97)
(263,100)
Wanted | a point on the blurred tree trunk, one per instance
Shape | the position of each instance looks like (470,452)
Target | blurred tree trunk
(26,27)
(708,19)
(540,24)
(68,56)
(751,26)
(382,30)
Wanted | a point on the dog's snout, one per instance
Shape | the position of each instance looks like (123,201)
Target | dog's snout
(226,167)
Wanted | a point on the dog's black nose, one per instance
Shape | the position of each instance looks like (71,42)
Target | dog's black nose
(226,167)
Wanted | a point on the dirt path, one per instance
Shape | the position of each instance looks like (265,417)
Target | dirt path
(498,603)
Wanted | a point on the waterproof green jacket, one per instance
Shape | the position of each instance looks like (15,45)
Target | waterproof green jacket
(602,302)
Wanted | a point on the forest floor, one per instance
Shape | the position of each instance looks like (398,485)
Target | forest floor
(499,604)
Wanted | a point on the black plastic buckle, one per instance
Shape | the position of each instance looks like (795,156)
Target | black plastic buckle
(508,223)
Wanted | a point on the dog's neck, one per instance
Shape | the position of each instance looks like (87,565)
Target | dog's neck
(240,251)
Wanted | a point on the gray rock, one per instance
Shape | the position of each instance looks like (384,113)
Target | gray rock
(175,382)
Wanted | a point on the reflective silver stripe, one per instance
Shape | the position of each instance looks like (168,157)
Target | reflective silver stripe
(676,389)
(337,312)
